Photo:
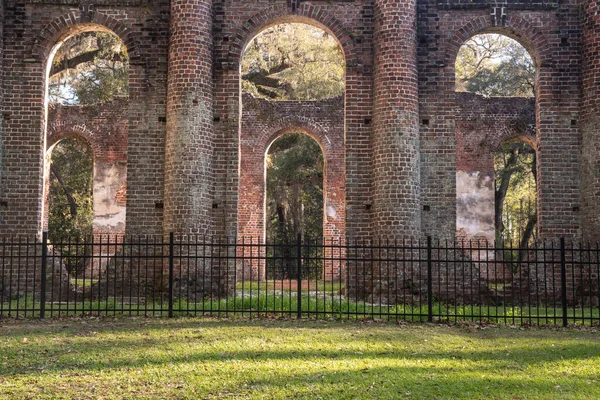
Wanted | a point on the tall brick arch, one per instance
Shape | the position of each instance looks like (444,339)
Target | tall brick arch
(238,38)
(539,47)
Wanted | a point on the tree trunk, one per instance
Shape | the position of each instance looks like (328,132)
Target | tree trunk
(72,203)
(501,191)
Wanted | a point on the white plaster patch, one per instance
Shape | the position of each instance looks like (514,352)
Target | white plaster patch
(331,213)
(475,204)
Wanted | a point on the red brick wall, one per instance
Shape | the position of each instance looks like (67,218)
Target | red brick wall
(590,122)
(104,128)
(482,126)
(551,32)
(31,31)
(262,123)
(397,181)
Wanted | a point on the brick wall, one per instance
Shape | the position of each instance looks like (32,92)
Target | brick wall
(183,152)
(32,30)
(551,32)
(262,123)
(104,128)
(590,122)
(482,126)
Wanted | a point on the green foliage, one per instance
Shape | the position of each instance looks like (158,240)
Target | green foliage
(294,188)
(89,68)
(293,62)
(495,65)
(71,212)
(516,162)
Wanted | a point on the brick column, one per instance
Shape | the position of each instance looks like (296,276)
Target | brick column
(189,141)
(1,101)
(590,123)
(396,173)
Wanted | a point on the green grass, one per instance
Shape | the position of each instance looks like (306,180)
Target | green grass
(81,283)
(287,286)
(321,305)
(278,359)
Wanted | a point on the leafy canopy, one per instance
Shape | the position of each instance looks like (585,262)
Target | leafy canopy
(495,65)
(293,62)
(89,68)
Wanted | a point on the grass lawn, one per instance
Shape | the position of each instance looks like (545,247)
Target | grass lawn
(209,359)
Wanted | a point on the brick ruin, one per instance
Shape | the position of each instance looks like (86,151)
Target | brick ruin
(401,147)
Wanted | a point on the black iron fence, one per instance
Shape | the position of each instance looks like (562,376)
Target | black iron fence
(554,283)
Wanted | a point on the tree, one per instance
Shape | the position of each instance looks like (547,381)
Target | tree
(89,68)
(70,211)
(516,208)
(293,62)
(495,65)
(294,193)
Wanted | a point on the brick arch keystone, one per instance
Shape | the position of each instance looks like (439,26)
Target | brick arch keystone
(73,23)
(280,13)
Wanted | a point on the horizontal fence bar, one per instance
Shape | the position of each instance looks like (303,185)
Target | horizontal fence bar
(552,283)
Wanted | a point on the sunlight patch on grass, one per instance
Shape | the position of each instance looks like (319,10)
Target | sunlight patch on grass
(198,358)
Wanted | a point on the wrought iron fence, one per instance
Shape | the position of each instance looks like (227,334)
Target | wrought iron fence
(554,283)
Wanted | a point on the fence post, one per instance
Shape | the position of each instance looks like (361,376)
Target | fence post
(429,282)
(563,280)
(171,271)
(299,263)
(44,271)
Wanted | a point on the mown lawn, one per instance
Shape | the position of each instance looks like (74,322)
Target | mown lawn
(206,359)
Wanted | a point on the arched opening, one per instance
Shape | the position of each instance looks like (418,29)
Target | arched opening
(496,91)
(292,81)
(293,61)
(294,200)
(69,200)
(87,90)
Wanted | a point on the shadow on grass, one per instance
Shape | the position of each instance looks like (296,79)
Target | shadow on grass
(152,346)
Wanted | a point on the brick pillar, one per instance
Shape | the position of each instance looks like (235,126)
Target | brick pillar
(189,141)
(590,123)
(395,121)
(1,102)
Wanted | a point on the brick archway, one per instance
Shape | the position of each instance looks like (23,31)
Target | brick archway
(263,122)
(540,50)
(104,129)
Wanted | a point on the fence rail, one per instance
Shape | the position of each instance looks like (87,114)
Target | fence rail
(553,283)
